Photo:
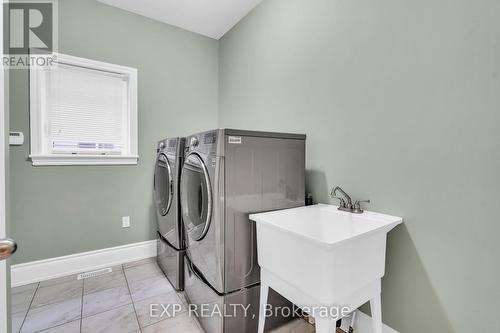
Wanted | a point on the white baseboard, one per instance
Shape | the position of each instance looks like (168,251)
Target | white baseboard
(47,269)
(363,324)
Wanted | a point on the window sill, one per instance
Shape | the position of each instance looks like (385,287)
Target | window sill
(39,160)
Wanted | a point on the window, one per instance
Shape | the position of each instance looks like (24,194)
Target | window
(83,112)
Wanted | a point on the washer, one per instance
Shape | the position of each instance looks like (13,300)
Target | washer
(227,175)
(171,243)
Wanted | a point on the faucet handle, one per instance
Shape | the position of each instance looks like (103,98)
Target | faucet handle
(342,202)
(357,205)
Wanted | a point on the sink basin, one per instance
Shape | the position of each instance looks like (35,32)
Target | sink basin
(322,255)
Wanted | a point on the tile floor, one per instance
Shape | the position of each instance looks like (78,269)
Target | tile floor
(115,302)
(118,302)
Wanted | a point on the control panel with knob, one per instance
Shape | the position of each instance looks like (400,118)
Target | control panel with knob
(194,142)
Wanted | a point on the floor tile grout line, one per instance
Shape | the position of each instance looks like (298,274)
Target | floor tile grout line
(109,310)
(104,290)
(133,304)
(142,264)
(47,328)
(50,328)
(113,308)
(100,290)
(58,283)
(52,302)
(198,324)
(29,307)
(164,319)
(185,312)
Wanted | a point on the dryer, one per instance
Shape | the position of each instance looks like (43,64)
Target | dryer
(171,243)
(227,175)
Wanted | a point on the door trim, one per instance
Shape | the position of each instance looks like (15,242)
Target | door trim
(4,130)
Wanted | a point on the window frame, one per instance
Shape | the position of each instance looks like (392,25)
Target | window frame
(38,135)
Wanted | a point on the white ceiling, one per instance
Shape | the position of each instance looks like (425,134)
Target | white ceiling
(212,18)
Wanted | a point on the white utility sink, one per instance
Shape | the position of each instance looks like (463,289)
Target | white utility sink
(318,256)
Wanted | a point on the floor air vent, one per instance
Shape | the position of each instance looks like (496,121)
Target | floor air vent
(87,275)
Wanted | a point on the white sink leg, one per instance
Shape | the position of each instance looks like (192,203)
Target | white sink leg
(325,325)
(264,291)
(376,308)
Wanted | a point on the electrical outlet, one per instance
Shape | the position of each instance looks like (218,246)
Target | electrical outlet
(126,222)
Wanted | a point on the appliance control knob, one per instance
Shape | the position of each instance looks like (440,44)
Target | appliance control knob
(194,142)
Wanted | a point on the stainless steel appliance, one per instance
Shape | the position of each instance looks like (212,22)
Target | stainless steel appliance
(227,175)
(171,241)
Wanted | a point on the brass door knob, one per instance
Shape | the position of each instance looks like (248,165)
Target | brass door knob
(7,248)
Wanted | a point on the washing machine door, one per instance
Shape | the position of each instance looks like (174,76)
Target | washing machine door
(196,197)
(166,204)
(163,185)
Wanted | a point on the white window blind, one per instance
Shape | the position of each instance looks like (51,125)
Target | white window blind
(85,111)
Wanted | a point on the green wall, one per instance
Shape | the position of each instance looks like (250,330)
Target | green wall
(63,210)
(400,101)
(401,104)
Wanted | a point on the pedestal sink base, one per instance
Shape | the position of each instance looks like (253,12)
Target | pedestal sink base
(324,324)
(323,259)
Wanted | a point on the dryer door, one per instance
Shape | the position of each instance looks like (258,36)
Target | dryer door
(196,197)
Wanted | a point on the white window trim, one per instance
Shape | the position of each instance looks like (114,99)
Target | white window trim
(36,119)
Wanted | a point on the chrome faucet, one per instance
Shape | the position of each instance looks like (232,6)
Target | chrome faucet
(346,202)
